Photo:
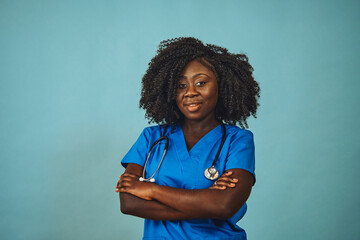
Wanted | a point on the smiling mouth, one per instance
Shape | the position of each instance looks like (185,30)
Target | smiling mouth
(193,107)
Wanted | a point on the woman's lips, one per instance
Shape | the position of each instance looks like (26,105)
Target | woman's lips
(193,107)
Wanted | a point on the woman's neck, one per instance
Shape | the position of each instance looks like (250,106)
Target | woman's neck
(199,127)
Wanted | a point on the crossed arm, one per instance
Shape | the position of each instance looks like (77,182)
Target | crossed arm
(153,201)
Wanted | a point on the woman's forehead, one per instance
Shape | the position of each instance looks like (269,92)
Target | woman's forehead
(196,67)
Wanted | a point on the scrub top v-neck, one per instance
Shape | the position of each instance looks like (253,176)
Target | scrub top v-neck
(185,169)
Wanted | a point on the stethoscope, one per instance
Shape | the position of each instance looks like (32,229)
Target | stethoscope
(210,173)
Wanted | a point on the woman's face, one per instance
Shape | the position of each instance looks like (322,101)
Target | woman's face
(197,93)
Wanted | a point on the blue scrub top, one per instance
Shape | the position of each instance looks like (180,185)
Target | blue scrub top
(185,169)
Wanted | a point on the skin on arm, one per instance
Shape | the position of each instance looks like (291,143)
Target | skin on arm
(202,203)
(133,205)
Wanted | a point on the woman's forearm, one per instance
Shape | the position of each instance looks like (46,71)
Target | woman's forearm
(206,203)
(202,203)
(132,205)
(168,203)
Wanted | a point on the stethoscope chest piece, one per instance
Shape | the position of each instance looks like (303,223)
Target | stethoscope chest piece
(211,173)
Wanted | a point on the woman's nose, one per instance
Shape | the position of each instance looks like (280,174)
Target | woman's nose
(191,91)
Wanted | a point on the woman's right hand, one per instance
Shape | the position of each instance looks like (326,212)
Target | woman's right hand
(224,181)
(129,183)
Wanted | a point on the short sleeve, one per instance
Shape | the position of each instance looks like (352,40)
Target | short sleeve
(242,152)
(138,152)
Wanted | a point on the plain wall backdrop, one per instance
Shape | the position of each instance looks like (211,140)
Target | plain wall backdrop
(70,75)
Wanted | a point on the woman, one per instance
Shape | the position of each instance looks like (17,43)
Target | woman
(194,89)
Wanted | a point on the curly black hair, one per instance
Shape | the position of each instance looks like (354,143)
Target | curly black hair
(238,91)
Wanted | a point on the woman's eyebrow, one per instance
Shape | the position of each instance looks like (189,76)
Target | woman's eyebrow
(198,74)
(194,76)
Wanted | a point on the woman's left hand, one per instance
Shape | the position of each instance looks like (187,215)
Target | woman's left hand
(225,181)
(130,183)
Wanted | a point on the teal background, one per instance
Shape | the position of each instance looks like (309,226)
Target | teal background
(70,75)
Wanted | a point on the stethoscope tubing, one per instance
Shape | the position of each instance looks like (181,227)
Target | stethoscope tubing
(221,145)
(151,179)
(162,158)
(211,173)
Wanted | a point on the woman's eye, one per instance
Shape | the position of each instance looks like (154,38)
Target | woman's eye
(199,84)
(182,86)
